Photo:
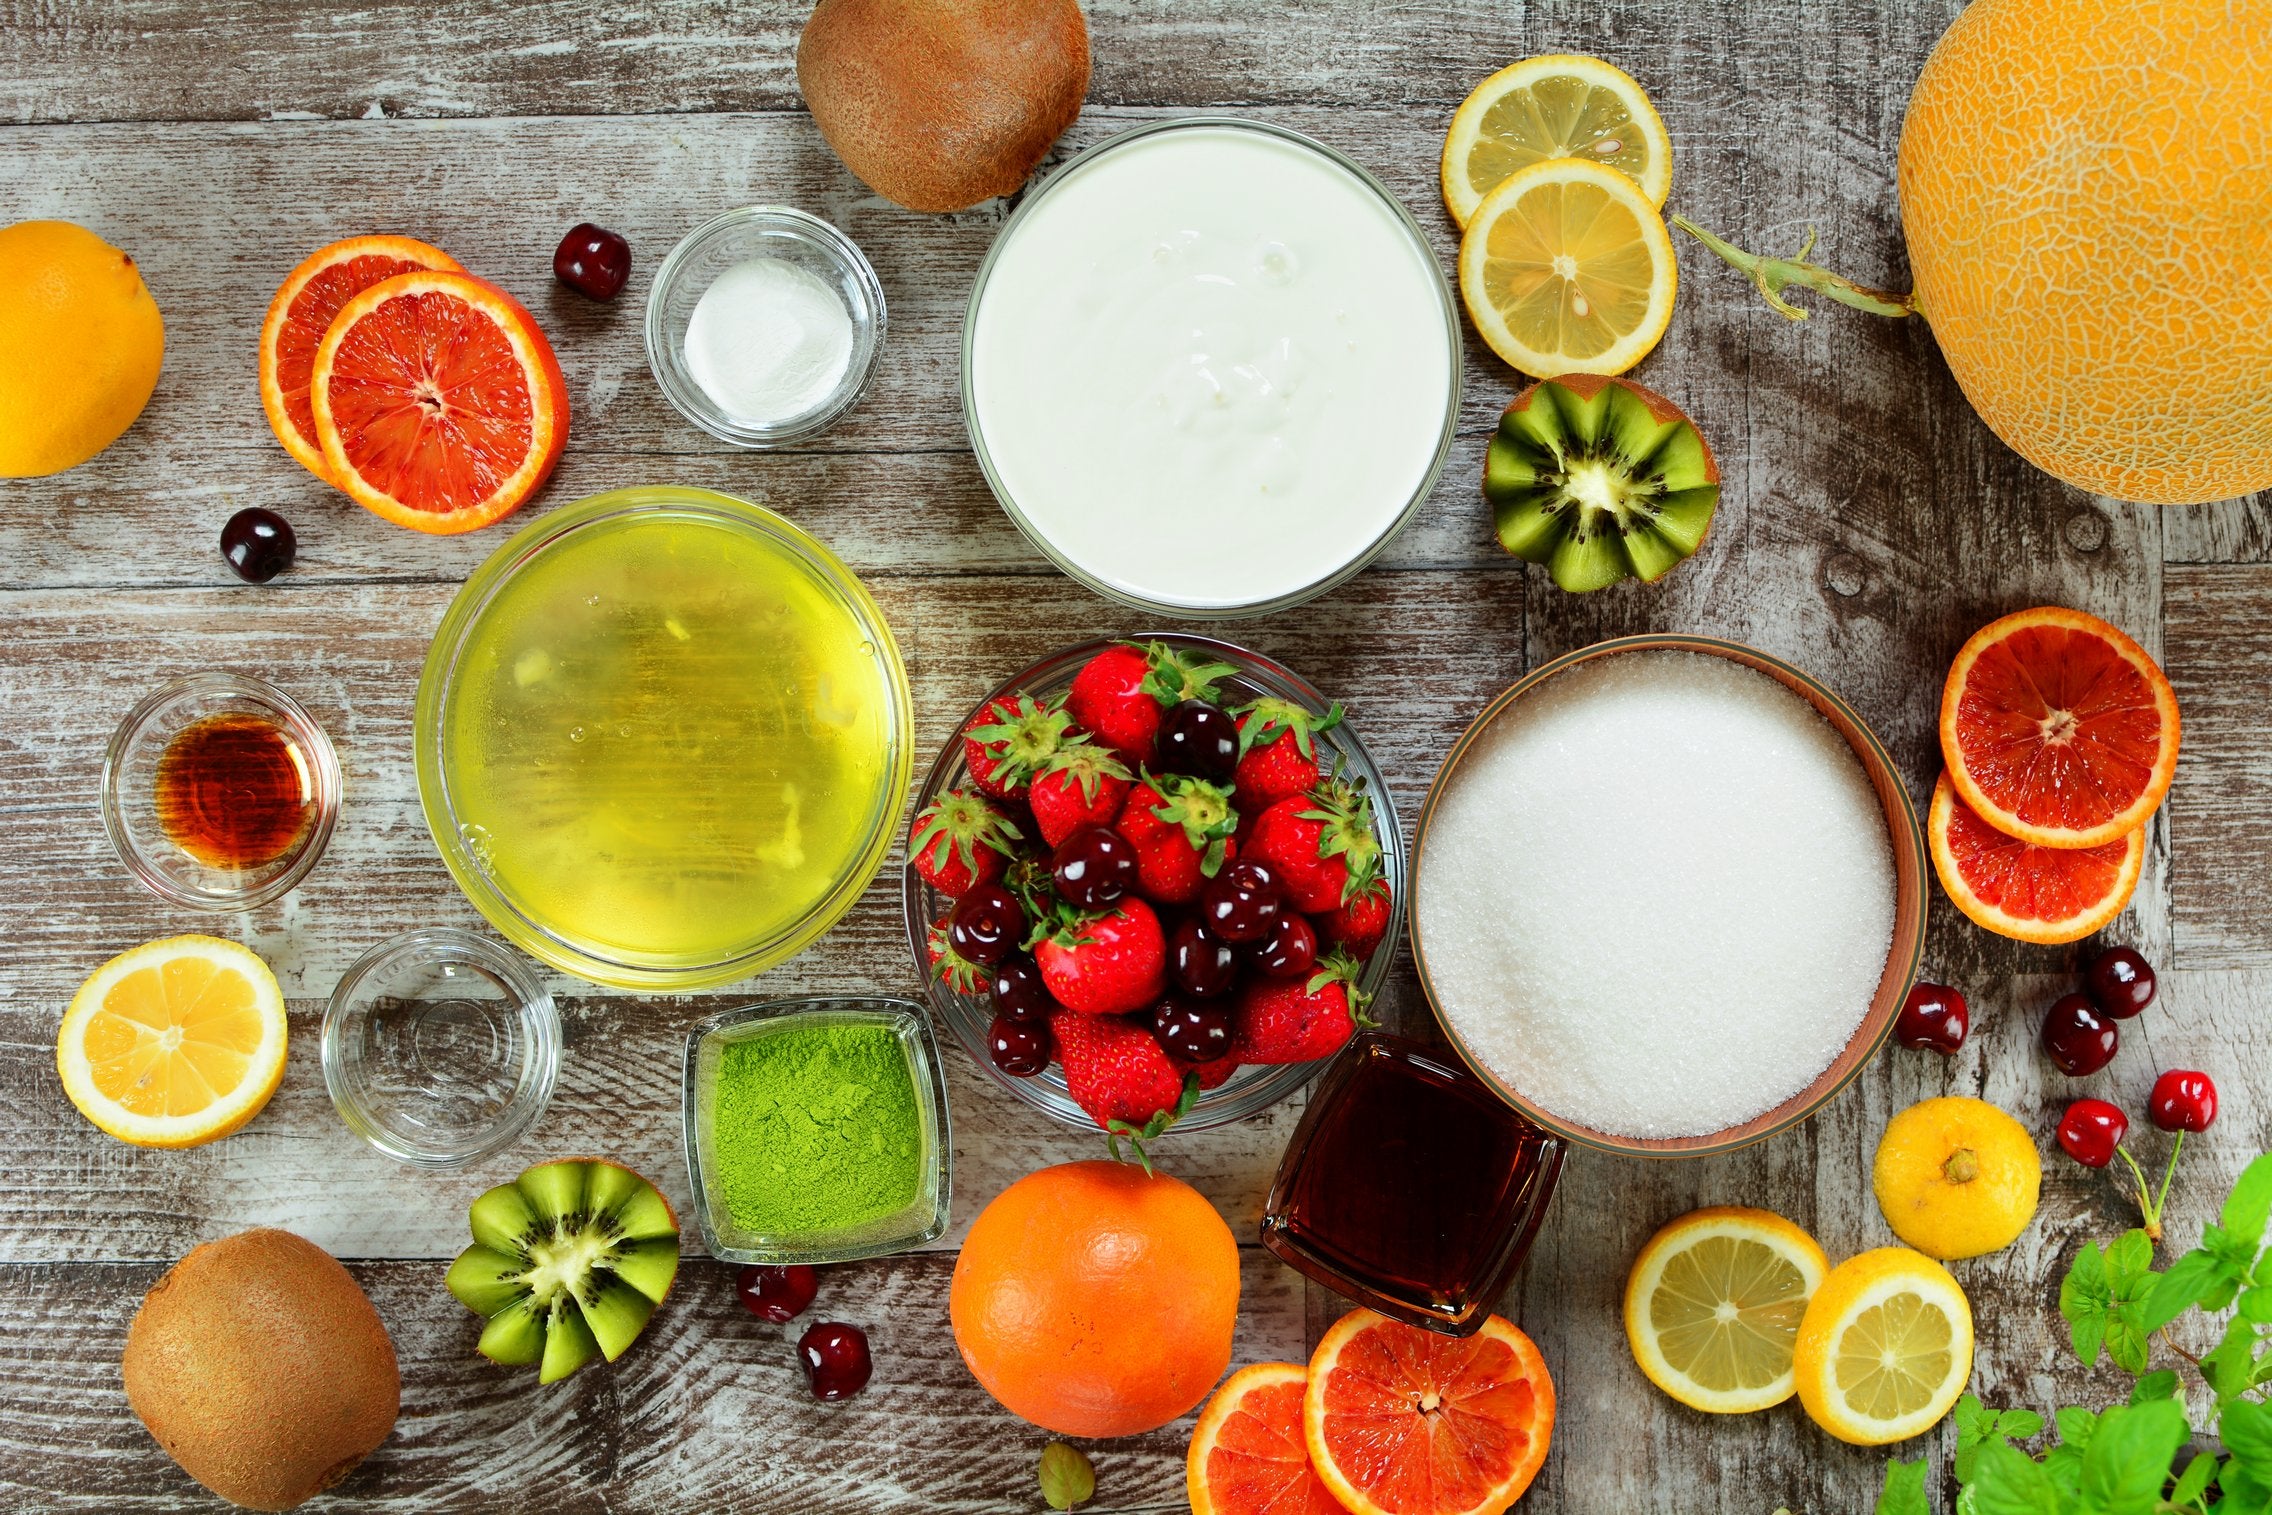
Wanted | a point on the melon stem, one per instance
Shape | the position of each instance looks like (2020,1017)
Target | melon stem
(1772,275)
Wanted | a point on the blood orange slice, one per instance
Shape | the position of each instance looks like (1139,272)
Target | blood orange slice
(2017,889)
(1247,1454)
(438,401)
(1402,1421)
(302,312)
(2058,729)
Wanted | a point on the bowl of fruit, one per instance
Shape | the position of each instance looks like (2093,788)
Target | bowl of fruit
(1153,882)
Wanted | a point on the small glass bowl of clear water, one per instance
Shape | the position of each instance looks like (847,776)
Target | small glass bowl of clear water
(440,1047)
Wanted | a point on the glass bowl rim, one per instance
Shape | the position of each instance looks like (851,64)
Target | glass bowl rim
(1454,336)
(532,1003)
(688,399)
(1041,1092)
(480,591)
(1904,954)
(245,690)
(914,1028)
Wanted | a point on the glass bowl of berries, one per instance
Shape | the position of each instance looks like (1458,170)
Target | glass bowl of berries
(1154,882)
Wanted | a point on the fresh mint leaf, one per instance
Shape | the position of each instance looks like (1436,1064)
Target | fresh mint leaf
(2086,1302)
(2009,1482)
(1066,1477)
(2230,1366)
(1977,1425)
(2194,1482)
(2129,1258)
(2076,1427)
(2242,1490)
(2019,1425)
(2158,1385)
(2128,1459)
(2256,1304)
(2245,1428)
(2249,1207)
(1904,1491)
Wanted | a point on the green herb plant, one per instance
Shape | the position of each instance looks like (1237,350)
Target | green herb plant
(2125,1460)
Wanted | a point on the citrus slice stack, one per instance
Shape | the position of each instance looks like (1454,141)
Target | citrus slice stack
(438,402)
(1562,105)
(1247,1455)
(1885,1349)
(302,311)
(175,1043)
(1566,267)
(2060,734)
(1713,1305)
(1402,1421)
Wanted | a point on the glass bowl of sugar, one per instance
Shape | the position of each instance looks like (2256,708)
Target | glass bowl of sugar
(1667,895)
(764,325)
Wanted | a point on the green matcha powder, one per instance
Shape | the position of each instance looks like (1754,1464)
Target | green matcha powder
(815,1128)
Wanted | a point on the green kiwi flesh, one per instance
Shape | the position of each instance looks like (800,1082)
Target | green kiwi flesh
(568,1262)
(1599,480)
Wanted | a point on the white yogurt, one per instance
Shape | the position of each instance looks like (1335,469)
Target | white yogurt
(1211,367)
(768,341)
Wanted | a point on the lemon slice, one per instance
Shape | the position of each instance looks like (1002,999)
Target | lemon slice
(1567,268)
(1713,1304)
(175,1043)
(1885,1349)
(1564,105)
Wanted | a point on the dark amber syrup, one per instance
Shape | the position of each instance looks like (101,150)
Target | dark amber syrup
(234,791)
(1413,1181)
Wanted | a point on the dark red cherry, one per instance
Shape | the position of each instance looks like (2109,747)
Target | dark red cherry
(1191,1031)
(986,925)
(2091,1130)
(1201,963)
(1288,949)
(1017,990)
(2078,1038)
(777,1294)
(1094,867)
(2120,982)
(1200,739)
(258,544)
(1019,1048)
(1934,1018)
(836,1359)
(2182,1101)
(592,261)
(1239,904)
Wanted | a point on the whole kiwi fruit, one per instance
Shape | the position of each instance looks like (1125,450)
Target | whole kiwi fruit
(939,104)
(259,1365)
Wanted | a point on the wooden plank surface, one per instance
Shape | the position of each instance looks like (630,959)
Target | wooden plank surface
(1869,523)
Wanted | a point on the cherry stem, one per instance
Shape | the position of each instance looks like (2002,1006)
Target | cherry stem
(1770,275)
(2150,1199)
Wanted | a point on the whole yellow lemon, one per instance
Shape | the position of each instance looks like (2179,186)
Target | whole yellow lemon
(80,345)
(1957,1177)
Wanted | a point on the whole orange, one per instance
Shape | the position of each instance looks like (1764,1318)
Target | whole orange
(2089,220)
(1094,1299)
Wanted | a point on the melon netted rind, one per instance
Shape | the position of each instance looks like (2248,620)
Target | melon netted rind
(2089,224)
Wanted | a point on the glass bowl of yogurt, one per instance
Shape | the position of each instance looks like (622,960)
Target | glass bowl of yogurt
(764,325)
(1211,367)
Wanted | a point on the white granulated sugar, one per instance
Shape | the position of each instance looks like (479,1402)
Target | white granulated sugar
(1658,895)
(768,341)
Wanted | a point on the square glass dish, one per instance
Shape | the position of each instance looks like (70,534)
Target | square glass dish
(922,1218)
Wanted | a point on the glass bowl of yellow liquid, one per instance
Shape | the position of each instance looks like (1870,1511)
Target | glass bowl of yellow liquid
(663,738)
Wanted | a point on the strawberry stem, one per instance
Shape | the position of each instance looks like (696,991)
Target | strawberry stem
(1116,1128)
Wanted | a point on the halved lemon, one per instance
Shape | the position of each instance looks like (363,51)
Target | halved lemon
(1567,268)
(175,1043)
(1713,1305)
(1562,105)
(1885,1349)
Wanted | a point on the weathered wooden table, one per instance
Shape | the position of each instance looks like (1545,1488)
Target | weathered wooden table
(1870,522)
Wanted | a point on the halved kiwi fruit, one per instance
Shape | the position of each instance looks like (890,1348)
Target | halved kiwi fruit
(567,1261)
(1600,480)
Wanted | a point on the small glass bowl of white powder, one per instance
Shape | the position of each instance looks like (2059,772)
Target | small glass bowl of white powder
(764,326)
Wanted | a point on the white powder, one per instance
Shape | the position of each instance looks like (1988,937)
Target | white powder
(768,341)
(1658,896)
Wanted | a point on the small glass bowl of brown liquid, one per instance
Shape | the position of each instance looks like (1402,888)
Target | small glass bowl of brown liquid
(219,791)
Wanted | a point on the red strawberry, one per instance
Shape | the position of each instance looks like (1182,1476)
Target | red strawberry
(1181,829)
(1106,964)
(1322,845)
(1081,784)
(1300,1021)
(1009,739)
(1119,695)
(960,840)
(1212,1075)
(1116,1072)
(950,967)
(1359,922)
(1277,758)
